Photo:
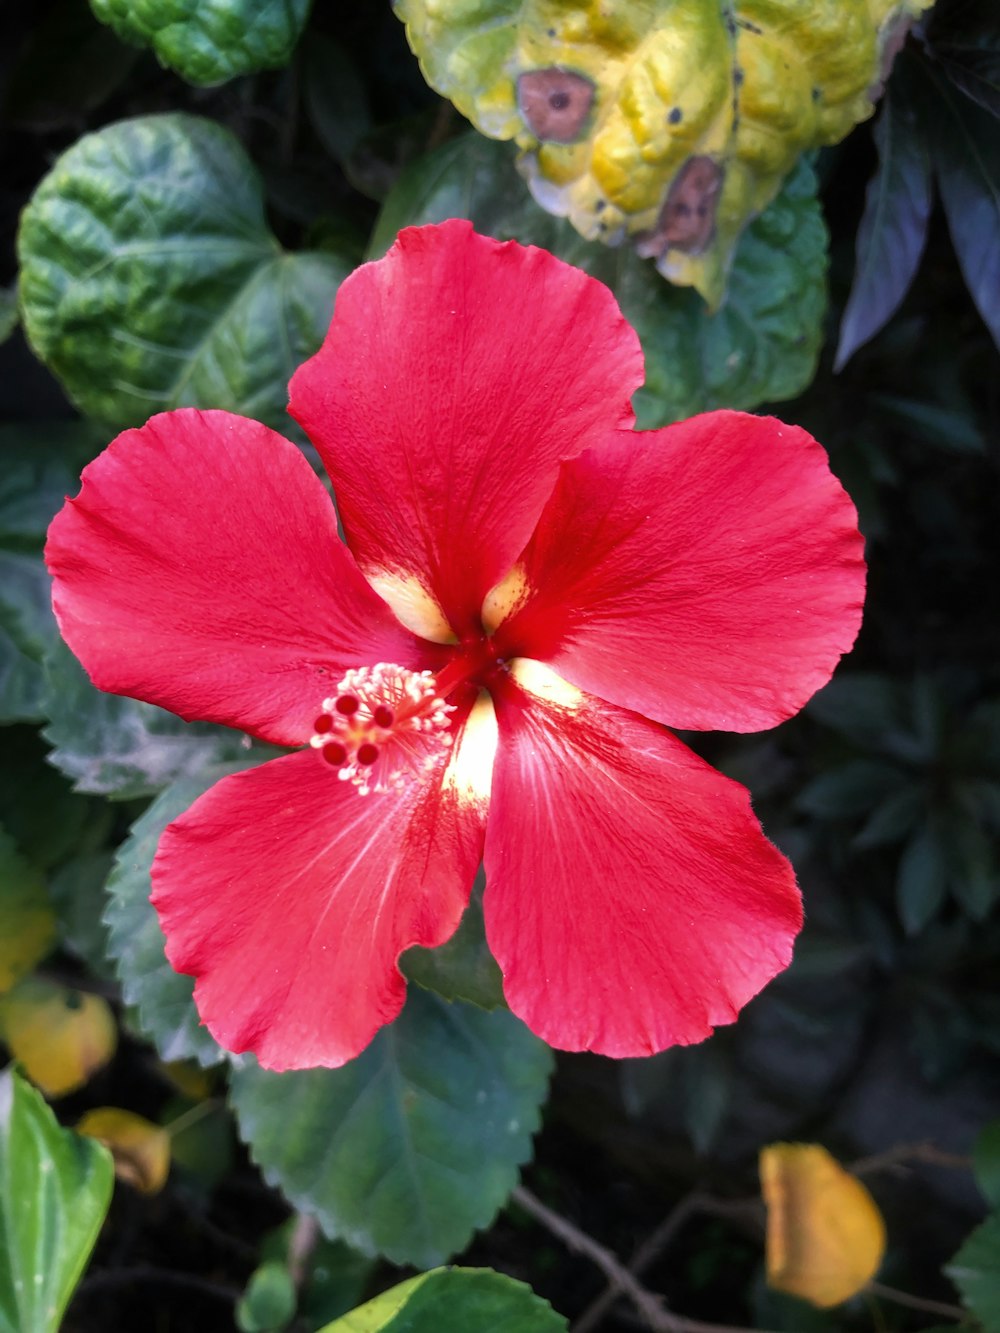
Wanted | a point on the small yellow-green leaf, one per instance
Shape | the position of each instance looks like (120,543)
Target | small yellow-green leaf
(60,1036)
(456,1300)
(27,923)
(141,1150)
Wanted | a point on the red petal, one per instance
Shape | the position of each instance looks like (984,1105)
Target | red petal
(632,900)
(290,895)
(200,568)
(456,373)
(707,575)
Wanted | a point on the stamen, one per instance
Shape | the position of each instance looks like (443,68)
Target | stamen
(383,727)
(334,753)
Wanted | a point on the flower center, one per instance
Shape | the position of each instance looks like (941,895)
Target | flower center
(383,726)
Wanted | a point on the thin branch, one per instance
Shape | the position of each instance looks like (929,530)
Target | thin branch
(642,1258)
(305,1235)
(916,1302)
(648,1305)
(907,1154)
(112,1278)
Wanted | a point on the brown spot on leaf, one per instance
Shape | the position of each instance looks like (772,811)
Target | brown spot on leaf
(555,103)
(687,219)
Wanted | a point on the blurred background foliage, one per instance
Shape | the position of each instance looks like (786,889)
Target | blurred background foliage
(866,300)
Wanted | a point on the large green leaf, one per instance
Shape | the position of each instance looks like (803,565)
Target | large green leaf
(453,1300)
(761,346)
(415,1144)
(54,1192)
(40,464)
(213,40)
(118,747)
(160,996)
(975,1271)
(150,278)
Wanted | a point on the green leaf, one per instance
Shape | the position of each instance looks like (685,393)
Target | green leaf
(269,1300)
(26,624)
(47,819)
(41,463)
(335,97)
(117,747)
(473,1300)
(922,881)
(893,229)
(974,872)
(209,43)
(762,345)
(8,312)
(150,279)
(975,1271)
(851,789)
(161,996)
(54,1192)
(966,149)
(866,708)
(892,820)
(464,968)
(986,1162)
(408,1149)
(975,71)
(337,1279)
(78,899)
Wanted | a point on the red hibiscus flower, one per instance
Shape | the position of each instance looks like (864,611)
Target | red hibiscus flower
(530,593)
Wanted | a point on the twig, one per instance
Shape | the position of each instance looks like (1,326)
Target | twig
(305,1234)
(192,1115)
(916,1302)
(648,1305)
(644,1255)
(164,1277)
(905,1154)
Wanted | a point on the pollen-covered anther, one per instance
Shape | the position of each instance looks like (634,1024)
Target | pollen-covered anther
(384,727)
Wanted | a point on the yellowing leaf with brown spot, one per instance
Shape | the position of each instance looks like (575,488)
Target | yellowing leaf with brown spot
(141,1150)
(668,124)
(59,1036)
(27,925)
(825,1234)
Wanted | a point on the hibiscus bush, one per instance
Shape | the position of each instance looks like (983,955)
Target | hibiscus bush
(449,878)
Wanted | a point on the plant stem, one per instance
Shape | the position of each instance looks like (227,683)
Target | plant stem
(916,1302)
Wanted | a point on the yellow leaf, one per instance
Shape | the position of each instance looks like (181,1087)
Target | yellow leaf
(141,1150)
(825,1234)
(668,124)
(27,925)
(59,1036)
